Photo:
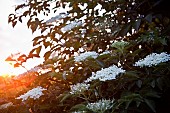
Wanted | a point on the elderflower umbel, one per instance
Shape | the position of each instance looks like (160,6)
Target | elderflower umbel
(71,26)
(34,93)
(153,59)
(85,55)
(101,106)
(79,87)
(57,17)
(106,74)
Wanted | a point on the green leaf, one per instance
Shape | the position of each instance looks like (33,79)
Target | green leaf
(131,85)
(132,74)
(100,63)
(136,24)
(153,83)
(128,98)
(139,83)
(163,41)
(152,93)
(138,103)
(159,83)
(52,74)
(149,18)
(151,104)
(125,29)
(65,96)
(127,104)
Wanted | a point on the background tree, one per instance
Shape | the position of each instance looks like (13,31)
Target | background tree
(139,27)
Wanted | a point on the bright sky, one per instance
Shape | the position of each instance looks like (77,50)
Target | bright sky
(13,40)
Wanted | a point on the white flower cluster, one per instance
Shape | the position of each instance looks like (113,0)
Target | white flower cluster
(153,59)
(79,87)
(71,26)
(106,74)
(85,55)
(105,52)
(101,106)
(58,17)
(34,93)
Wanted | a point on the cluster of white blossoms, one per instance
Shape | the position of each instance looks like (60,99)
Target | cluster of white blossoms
(34,93)
(68,26)
(71,26)
(101,106)
(79,87)
(105,74)
(85,55)
(153,59)
(57,17)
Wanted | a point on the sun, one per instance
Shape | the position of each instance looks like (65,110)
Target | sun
(6,69)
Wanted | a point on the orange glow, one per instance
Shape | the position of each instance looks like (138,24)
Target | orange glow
(6,69)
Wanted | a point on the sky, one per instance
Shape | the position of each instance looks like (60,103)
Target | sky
(13,40)
(17,39)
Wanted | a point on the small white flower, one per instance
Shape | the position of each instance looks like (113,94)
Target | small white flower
(34,93)
(153,59)
(79,87)
(101,106)
(106,74)
(85,55)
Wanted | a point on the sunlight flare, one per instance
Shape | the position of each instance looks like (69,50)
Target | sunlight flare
(7,70)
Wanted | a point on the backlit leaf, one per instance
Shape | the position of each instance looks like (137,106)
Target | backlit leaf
(38,50)
(47,55)
(151,104)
